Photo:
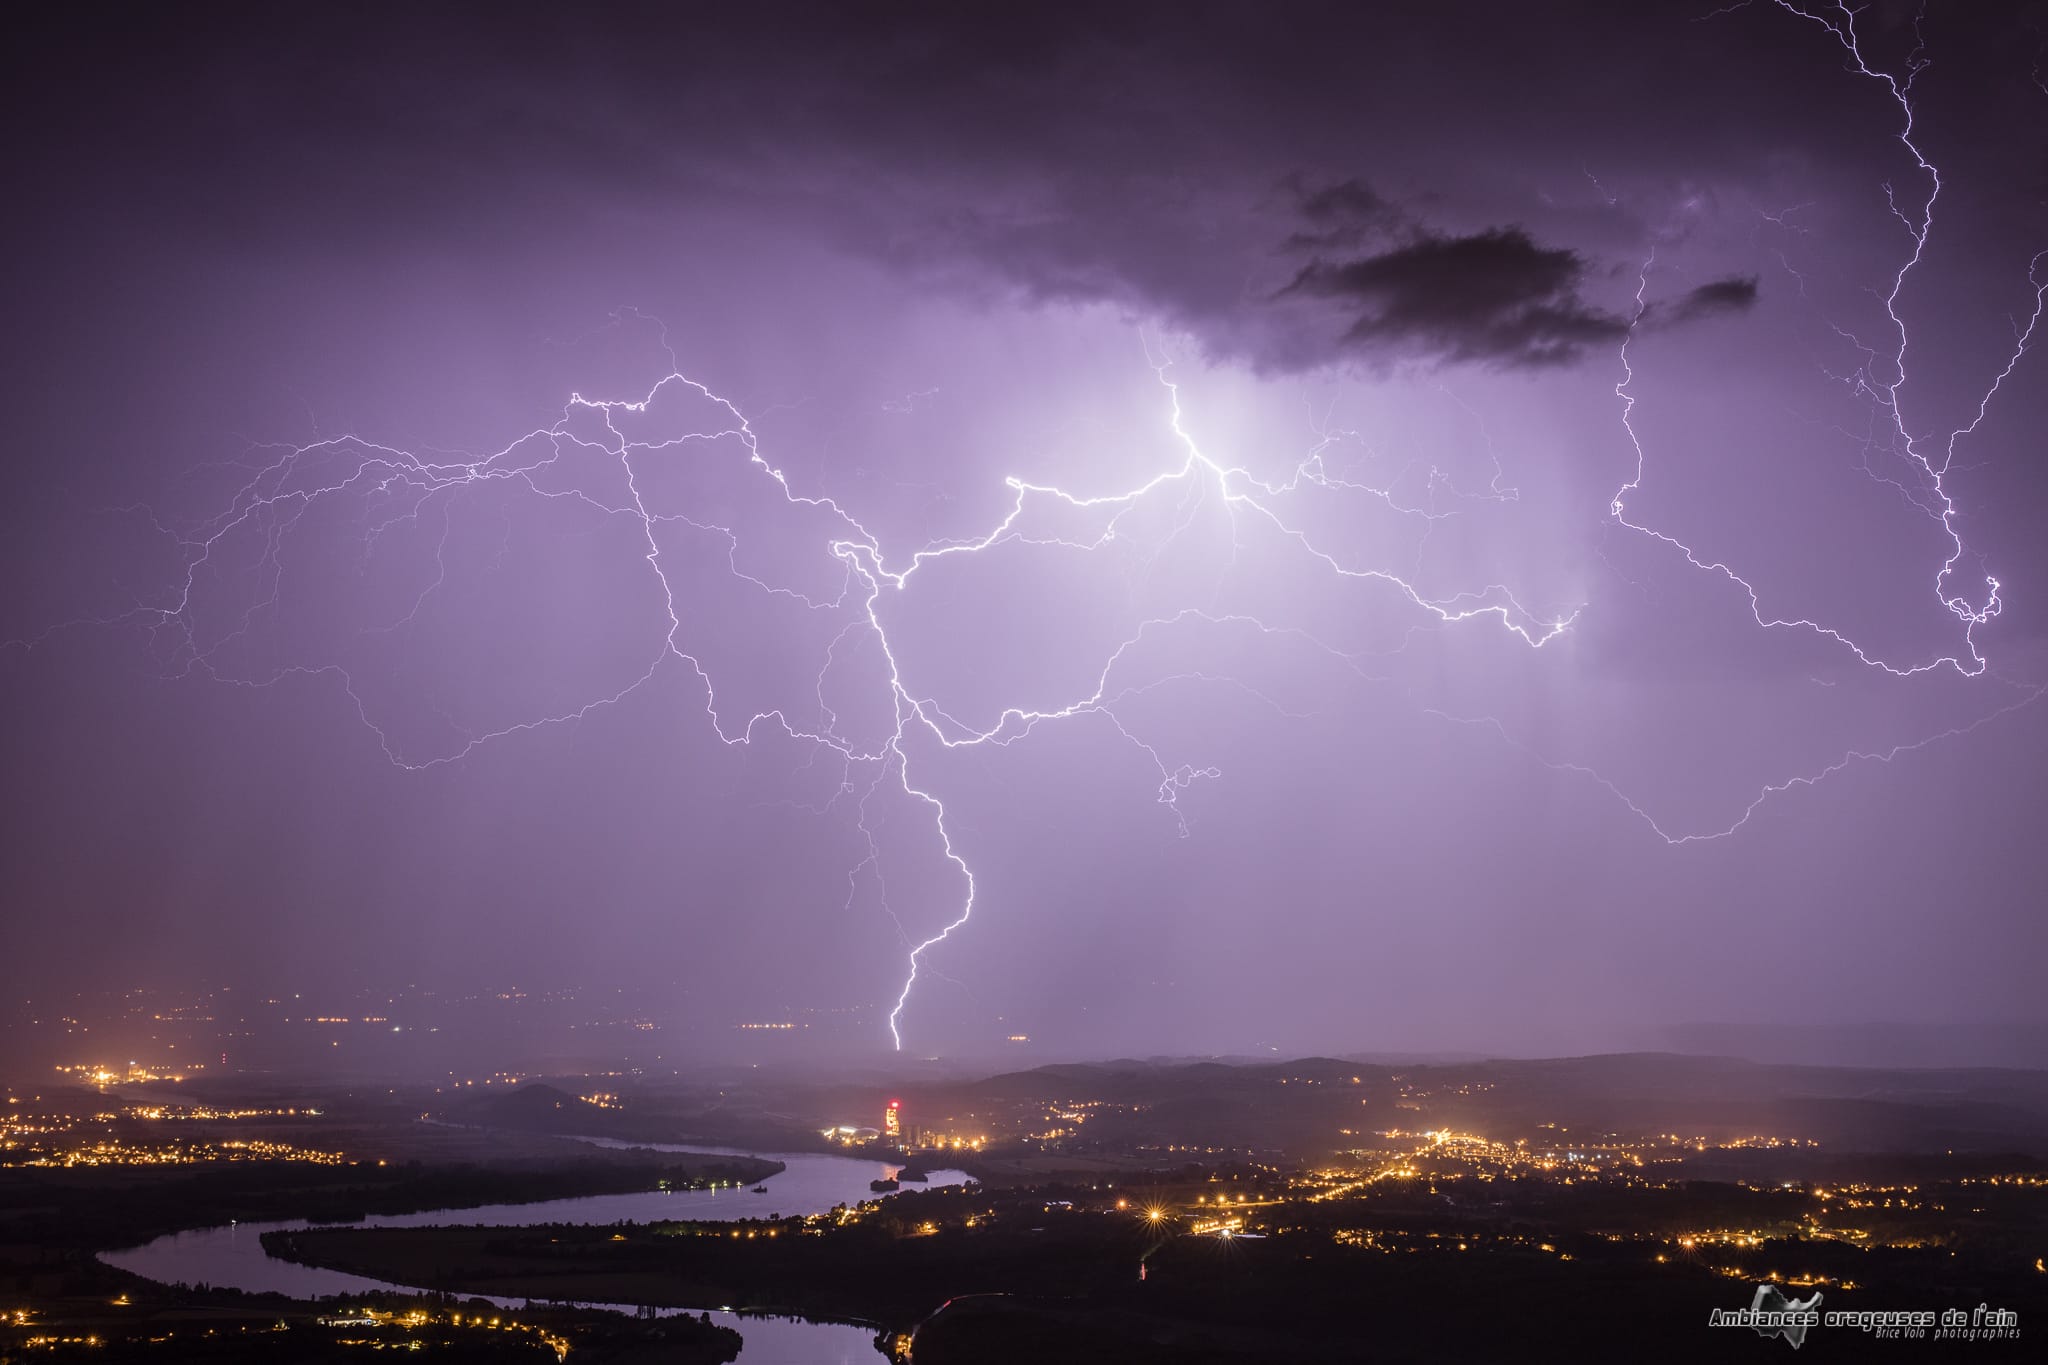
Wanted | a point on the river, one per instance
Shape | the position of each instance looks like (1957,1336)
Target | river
(233,1257)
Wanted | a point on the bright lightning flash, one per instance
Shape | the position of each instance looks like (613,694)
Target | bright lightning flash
(409,486)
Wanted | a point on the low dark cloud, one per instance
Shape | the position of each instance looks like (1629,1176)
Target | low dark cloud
(1736,294)
(1342,214)
(1126,157)
(1494,297)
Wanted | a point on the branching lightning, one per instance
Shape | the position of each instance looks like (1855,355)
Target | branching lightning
(396,486)
(274,500)
(1883,390)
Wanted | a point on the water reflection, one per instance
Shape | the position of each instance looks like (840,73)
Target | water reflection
(233,1257)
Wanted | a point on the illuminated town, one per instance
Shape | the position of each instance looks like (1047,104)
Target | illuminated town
(37,1132)
(1115,1174)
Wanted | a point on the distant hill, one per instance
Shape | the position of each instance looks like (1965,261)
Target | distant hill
(535,1107)
(1313,1105)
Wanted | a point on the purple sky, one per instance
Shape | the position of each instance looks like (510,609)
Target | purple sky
(299,576)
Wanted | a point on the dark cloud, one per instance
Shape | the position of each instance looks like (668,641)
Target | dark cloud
(1126,156)
(1342,214)
(1493,296)
(1736,294)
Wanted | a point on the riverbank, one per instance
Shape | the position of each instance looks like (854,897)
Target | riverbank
(642,1264)
(101,1208)
(807,1186)
(152,1323)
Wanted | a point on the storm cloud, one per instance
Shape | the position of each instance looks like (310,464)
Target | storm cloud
(1493,296)
(1717,298)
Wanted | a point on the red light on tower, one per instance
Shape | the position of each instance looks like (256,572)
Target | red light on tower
(892,1120)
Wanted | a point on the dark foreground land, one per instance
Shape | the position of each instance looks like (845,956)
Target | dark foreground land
(1147,1212)
(1054,1274)
(234,1329)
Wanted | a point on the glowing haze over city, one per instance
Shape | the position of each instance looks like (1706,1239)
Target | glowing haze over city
(1171,530)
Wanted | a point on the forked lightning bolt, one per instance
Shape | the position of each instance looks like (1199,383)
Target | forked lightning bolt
(408,486)
(397,486)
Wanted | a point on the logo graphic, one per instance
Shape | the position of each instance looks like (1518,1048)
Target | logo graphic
(1792,1316)
(1771,1314)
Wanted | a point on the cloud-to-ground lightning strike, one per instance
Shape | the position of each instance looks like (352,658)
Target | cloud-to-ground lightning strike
(272,503)
(398,486)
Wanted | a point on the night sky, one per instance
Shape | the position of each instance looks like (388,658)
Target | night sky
(1170,454)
